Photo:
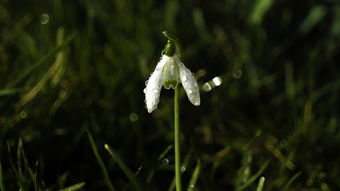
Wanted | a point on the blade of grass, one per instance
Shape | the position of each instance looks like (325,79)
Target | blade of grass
(260,9)
(253,178)
(291,180)
(165,152)
(12,165)
(6,92)
(21,154)
(2,185)
(74,187)
(161,156)
(62,179)
(194,176)
(260,184)
(172,185)
(124,167)
(20,175)
(136,173)
(100,162)
(53,74)
(48,56)
(186,160)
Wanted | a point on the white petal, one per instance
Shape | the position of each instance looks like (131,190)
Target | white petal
(154,85)
(190,84)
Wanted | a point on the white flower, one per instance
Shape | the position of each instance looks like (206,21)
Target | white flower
(169,71)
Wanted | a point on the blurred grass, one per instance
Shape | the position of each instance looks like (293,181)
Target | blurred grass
(86,64)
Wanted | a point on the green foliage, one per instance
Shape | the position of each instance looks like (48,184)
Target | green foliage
(65,65)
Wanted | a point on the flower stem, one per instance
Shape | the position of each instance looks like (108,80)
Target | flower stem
(177,143)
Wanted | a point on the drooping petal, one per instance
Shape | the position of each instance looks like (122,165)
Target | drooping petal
(154,85)
(189,83)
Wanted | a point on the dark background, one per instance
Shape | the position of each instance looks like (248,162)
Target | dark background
(84,67)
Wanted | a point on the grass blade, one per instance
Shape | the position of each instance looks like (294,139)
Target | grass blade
(6,92)
(100,162)
(2,186)
(124,167)
(161,157)
(165,152)
(253,178)
(44,59)
(185,162)
(20,183)
(27,168)
(53,74)
(291,180)
(261,183)
(194,177)
(74,187)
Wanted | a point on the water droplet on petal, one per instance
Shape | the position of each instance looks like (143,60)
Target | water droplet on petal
(146,82)
(155,91)
(144,90)
(217,81)
(201,73)
(184,78)
(206,87)
(189,91)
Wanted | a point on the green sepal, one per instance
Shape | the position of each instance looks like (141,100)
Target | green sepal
(170,75)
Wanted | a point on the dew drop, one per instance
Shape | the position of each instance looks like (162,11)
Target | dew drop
(165,161)
(237,74)
(206,87)
(183,169)
(23,114)
(201,73)
(44,18)
(62,94)
(189,91)
(146,82)
(133,117)
(155,91)
(217,81)
(184,78)
(192,186)
(144,90)
(283,143)
(60,131)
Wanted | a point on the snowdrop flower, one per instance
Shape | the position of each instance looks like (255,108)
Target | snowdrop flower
(170,71)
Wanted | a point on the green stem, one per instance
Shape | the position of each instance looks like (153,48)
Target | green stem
(177,144)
